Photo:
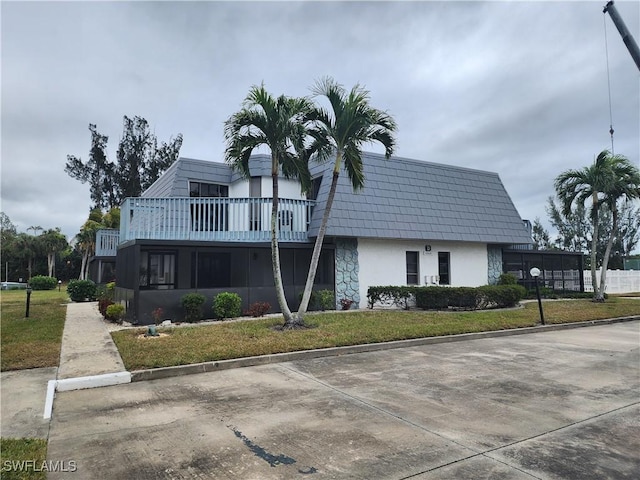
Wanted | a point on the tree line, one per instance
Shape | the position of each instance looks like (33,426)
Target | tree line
(140,160)
(43,252)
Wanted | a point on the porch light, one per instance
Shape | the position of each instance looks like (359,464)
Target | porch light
(535,273)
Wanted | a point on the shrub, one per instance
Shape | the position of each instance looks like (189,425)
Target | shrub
(105,295)
(390,295)
(258,309)
(326,300)
(106,291)
(346,303)
(507,279)
(432,298)
(502,296)
(158,315)
(81,290)
(227,305)
(40,282)
(115,312)
(192,305)
(103,304)
(466,298)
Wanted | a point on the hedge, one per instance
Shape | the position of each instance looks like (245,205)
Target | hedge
(40,282)
(438,298)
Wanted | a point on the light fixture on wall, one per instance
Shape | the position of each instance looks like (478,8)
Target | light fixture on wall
(427,248)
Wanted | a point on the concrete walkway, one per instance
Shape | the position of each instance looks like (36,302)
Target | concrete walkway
(87,347)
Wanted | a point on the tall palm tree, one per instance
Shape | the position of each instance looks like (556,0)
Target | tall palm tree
(281,125)
(625,186)
(87,244)
(53,242)
(342,131)
(607,180)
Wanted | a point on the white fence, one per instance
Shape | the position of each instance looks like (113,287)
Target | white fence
(618,281)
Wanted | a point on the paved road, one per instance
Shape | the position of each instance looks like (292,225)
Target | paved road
(552,405)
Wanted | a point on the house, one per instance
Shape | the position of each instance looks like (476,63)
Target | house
(202,227)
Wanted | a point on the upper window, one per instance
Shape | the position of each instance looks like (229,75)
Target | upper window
(444,268)
(200,189)
(315,188)
(413,274)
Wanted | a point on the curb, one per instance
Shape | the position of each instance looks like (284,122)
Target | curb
(179,370)
(80,383)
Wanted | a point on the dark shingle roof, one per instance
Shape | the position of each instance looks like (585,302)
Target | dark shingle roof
(402,199)
(411,199)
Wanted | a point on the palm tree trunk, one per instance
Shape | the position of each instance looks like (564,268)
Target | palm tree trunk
(594,246)
(607,253)
(51,256)
(85,256)
(289,320)
(317,248)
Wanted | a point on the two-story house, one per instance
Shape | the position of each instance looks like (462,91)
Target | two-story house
(201,227)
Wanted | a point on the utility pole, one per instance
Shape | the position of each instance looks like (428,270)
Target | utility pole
(628,40)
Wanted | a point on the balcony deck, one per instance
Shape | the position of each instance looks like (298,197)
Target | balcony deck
(209,219)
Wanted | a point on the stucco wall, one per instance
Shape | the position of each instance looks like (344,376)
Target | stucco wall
(383,262)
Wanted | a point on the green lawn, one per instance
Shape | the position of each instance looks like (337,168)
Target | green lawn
(35,341)
(227,340)
(22,458)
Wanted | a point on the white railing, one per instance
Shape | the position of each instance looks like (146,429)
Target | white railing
(618,281)
(216,219)
(107,242)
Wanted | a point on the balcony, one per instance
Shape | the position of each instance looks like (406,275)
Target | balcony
(213,219)
(107,242)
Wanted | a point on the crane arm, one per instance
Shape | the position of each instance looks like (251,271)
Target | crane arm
(628,40)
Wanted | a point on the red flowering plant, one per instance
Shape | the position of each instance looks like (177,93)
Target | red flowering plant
(158,315)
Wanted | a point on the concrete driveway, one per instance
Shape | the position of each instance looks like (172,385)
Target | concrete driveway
(552,405)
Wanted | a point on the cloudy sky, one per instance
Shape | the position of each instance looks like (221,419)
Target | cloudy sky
(517,88)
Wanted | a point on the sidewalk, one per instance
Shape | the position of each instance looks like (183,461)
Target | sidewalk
(87,348)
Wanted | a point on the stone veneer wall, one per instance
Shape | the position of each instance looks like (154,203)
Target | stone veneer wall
(494,255)
(347,284)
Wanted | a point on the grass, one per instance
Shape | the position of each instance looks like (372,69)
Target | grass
(222,341)
(22,458)
(35,341)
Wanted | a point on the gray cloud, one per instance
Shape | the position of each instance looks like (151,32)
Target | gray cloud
(519,88)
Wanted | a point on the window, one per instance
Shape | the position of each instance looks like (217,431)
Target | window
(444,268)
(209,217)
(413,275)
(157,270)
(315,188)
(200,189)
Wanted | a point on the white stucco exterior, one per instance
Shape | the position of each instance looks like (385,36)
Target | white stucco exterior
(383,262)
(286,188)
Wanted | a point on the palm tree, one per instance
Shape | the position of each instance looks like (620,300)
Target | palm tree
(53,241)
(607,180)
(625,186)
(87,244)
(342,132)
(281,125)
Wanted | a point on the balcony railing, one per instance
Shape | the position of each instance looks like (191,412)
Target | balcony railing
(214,219)
(107,242)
